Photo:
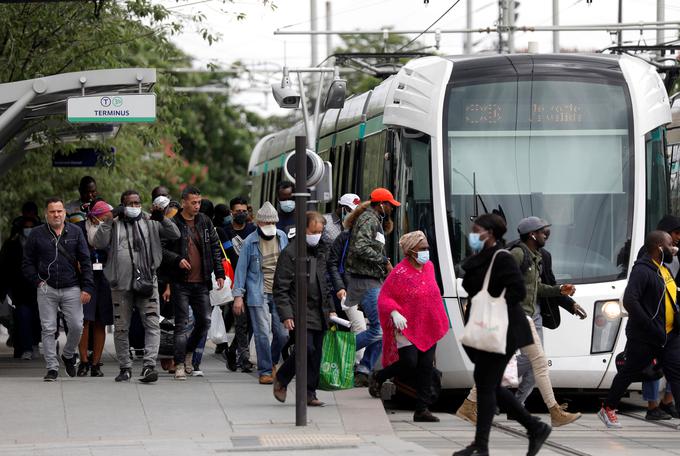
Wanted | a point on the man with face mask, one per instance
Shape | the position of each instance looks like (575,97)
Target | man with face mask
(134,244)
(254,279)
(286,223)
(238,353)
(318,309)
(532,364)
(367,265)
(653,329)
(346,204)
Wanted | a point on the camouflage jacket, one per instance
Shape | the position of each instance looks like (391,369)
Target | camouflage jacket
(366,254)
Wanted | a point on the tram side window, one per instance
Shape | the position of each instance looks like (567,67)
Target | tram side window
(347,185)
(657,203)
(372,164)
(417,203)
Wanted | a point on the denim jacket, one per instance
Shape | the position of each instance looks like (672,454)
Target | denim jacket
(248,278)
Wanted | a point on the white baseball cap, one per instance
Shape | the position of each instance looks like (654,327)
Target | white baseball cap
(350,200)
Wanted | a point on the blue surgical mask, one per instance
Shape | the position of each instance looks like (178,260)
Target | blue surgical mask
(476,244)
(423,256)
(287,206)
(227,219)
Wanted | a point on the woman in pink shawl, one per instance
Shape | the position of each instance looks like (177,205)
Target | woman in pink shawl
(413,320)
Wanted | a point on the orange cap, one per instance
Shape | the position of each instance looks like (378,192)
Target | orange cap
(382,195)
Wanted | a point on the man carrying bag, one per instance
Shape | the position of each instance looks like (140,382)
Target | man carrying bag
(134,243)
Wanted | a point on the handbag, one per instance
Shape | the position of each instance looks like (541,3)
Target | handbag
(337,360)
(487,327)
(142,281)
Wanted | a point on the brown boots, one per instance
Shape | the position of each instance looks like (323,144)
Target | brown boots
(468,411)
(559,417)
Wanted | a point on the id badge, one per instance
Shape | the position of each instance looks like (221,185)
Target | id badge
(380,237)
(97,267)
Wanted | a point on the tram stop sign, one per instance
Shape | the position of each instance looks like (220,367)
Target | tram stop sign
(112,108)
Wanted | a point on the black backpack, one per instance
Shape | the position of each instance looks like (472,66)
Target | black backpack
(526,259)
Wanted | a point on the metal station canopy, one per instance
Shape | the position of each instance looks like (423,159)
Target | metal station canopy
(24,104)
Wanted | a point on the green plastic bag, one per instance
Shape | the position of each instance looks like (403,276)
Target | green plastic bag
(337,360)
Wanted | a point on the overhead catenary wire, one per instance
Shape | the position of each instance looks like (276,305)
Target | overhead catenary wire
(429,27)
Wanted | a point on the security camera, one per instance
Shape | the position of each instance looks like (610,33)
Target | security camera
(285,95)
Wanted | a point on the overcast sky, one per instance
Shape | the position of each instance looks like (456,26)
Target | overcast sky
(252,40)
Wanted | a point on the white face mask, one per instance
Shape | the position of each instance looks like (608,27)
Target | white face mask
(133,212)
(313,239)
(268,230)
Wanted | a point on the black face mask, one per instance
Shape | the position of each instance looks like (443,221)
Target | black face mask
(240,218)
(263,236)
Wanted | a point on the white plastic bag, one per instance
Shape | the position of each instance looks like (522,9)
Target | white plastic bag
(217,332)
(511,376)
(223,296)
(487,328)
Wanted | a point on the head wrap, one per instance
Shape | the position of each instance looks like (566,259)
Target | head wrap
(100,208)
(410,241)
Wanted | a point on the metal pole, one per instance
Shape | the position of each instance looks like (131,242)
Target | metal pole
(314,27)
(329,26)
(301,275)
(511,26)
(556,22)
(660,15)
(309,129)
(501,24)
(620,34)
(467,43)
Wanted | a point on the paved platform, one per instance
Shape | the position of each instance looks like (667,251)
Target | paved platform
(230,413)
(221,413)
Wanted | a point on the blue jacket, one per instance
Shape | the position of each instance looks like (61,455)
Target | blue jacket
(44,262)
(248,277)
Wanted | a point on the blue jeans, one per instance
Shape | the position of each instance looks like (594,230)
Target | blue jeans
(371,339)
(268,354)
(650,390)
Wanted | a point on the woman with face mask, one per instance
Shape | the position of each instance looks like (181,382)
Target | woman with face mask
(486,241)
(413,319)
(99,311)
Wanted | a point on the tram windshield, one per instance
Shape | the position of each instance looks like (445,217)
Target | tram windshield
(556,149)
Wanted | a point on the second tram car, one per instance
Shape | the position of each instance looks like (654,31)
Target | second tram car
(578,140)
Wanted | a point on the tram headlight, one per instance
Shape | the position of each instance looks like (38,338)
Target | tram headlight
(611,309)
(606,324)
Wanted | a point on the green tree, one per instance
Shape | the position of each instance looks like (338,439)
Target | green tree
(46,39)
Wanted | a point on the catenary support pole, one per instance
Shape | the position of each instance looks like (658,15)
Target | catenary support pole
(301,275)
(556,22)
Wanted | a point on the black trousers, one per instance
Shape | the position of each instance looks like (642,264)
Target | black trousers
(640,355)
(413,363)
(488,373)
(286,372)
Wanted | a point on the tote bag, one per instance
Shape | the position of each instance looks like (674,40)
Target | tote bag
(487,328)
(337,360)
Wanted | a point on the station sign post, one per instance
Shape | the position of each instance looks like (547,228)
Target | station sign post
(127,108)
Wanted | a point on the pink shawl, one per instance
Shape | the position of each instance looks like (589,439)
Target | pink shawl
(415,295)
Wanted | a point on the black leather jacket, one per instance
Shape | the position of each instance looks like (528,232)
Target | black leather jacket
(177,250)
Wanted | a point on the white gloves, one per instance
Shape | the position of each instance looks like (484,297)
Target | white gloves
(399,320)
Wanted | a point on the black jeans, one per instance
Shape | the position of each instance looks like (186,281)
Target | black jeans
(640,355)
(286,372)
(243,332)
(413,363)
(197,296)
(488,373)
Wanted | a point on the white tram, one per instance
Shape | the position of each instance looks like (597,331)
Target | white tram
(576,139)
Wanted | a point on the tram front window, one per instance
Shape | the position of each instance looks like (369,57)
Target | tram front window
(559,150)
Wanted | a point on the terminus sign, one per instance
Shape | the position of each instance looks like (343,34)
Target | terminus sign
(112,108)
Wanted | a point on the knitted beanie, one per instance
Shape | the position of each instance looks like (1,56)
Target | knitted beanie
(267,213)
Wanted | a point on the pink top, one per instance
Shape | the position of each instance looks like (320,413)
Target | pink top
(415,295)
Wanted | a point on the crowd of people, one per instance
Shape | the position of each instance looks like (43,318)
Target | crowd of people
(93,263)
